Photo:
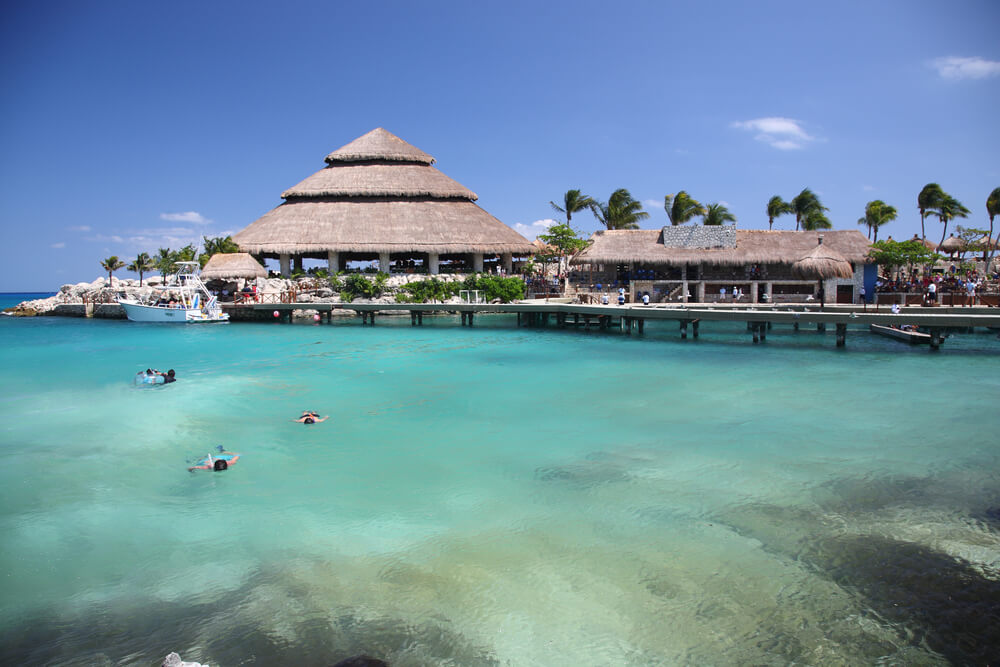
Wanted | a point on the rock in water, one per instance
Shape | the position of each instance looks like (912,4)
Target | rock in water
(174,660)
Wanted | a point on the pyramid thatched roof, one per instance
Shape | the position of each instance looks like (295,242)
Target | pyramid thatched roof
(232,265)
(641,246)
(822,262)
(379,144)
(952,244)
(379,194)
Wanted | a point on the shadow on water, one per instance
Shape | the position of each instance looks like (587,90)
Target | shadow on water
(233,629)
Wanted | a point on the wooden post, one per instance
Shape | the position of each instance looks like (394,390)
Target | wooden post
(519,320)
(756,333)
(471,313)
(763,330)
(413,318)
(795,326)
(694,328)
(642,322)
(462,313)
(841,334)
(420,318)
(576,319)
(935,338)
(684,329)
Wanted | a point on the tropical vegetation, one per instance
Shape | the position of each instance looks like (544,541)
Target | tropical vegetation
(928,200)
(777,207)
(111,264)
(492,288)
(682,208)
(809,211)
(143,263)
(897,254)
(717,214)
(621,211)
(948,208)
(877,214)
(216,245)
(993,210)
(573,202)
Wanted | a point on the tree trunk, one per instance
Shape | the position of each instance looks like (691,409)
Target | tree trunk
(944,234)
(990,248)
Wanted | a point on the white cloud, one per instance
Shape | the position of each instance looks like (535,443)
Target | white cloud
(654,204)
(79,228)
(785,134)
(188,216)
(532,231)
(60,244)
(955,67)
(868,188)
(725,203)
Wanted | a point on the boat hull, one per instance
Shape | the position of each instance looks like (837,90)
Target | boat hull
(911,337)
(137,312)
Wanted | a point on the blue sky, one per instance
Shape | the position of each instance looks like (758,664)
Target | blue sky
(128,126)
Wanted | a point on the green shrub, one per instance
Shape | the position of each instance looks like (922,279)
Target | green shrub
(356,285)
(422,291)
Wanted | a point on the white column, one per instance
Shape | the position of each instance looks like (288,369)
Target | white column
(754,285)
(684,283)
(477,262)
(383,262)
(508,263)
(699,290)
(285,267)
(433,265)
(769,290)
(333,261)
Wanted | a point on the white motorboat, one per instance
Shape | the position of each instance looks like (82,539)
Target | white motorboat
(183,299)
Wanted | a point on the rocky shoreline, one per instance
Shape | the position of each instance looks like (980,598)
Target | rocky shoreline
(98,299)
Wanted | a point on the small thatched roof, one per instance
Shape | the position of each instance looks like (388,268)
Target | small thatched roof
(379,194)
(821,263)
(952,244)
(379,144)
(930,245)
(645,247)
(232,265)
(379,180)
(986,242)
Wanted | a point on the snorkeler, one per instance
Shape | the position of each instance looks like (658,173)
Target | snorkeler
(221,461)
(310,417)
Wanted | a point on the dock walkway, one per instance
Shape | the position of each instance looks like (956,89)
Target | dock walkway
(759,318)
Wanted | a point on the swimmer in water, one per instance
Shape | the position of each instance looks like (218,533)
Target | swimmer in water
(310,417)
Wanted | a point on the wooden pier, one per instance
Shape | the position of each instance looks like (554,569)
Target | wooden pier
(759,318)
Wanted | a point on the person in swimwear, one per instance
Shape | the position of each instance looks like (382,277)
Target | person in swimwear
(310,417)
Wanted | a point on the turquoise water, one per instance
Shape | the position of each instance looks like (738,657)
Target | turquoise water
(496,496)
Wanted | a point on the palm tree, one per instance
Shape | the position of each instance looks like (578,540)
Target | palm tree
(777,207)
(112,264)
(865,221)
(141,265)
(878,213)
(164,260)
(993,209)
(216,245)
(928,199)
(621,211)
(682,208)
(806,205)
(949,208)
(573,201)
(717,214)
(816,219)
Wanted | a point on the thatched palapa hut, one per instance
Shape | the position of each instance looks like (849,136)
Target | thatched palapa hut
(379,198)
(226,266)
(695,261)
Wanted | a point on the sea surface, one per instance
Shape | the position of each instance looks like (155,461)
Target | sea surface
(495,495)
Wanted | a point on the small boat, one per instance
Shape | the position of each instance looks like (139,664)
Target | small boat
(910,335)
(184,299)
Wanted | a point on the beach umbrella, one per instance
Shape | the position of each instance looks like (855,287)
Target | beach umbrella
(952,244)
(820,264)
(225,265)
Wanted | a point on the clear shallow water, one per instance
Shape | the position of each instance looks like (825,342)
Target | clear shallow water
(496,495)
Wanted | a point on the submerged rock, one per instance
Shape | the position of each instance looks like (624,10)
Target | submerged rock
(174,660)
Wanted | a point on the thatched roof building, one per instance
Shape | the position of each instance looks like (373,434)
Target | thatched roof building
(380,198)
(222,266)
(724,246)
